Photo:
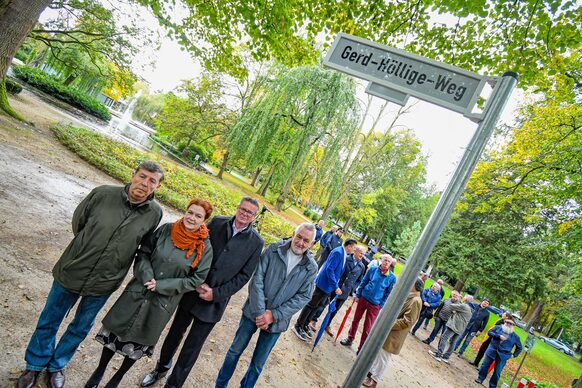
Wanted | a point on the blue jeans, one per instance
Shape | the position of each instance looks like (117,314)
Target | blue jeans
(499,365)
(41,351)
(243,335)
(439,324)
(467,335)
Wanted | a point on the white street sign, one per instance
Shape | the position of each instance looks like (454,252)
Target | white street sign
(410,74)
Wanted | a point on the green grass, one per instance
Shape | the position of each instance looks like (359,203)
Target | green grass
(180,185)
(544,364)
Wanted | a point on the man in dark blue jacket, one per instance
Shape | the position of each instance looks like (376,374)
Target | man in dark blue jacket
(503,340)
(475,326)
(318,230)
(326,284)
(334,241)
(349,282)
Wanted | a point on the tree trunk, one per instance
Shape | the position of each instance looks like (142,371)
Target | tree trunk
(17,17)
(532,314)
(223,165)
(459,285)
(551,326)
(256,176)
(328,208)
(263,189)
(348,224)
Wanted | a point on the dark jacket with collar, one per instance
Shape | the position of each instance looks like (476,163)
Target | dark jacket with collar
(503,349)
(234,261)
(478,320)
(108,230)
(353,275)
(271,288)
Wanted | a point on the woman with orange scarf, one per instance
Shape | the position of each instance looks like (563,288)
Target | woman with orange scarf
(175,259)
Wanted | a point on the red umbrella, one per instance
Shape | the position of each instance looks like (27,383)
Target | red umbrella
(344,320)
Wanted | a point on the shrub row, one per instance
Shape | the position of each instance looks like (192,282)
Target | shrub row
(180,185)
(53,86)
(12,87)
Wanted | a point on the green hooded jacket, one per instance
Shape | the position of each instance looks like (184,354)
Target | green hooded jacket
(108,230)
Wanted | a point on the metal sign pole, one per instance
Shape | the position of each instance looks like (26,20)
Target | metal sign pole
(431,231)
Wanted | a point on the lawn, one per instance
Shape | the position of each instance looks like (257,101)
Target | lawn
(544,364)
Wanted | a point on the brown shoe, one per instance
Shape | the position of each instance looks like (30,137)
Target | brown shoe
(27,379)
(56,379)
(328,331)
(370,382)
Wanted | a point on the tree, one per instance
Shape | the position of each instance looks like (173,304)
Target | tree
(302,108)
(195,117)
(17,17)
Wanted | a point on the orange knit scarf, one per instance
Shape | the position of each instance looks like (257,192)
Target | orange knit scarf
(185,239)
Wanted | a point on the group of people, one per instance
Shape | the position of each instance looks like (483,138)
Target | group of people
(459,320)
(188,270)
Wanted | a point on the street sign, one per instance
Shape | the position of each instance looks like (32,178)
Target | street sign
(409,74)
(388,94)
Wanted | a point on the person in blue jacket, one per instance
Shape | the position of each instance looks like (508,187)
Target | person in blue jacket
(431,299)
(326,284)
(371,296)
(333,241)
(319,230)
(501,349)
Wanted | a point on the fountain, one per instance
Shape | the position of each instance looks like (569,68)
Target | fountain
(130,131)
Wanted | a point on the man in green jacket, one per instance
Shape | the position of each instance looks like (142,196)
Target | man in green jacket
(108,225)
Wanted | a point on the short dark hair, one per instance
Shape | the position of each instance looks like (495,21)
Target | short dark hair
(151,166)
(350,241)
(250,200)
(418,284)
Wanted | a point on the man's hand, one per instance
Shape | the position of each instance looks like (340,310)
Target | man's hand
(502,337)
(203,288)
(263,321)
(356,299)
(205,294)
(151,285)
(477,334)
(338,291)
(426,304)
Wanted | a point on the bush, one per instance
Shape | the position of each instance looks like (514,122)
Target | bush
(311,214)
(12,87)
(180,185)
(51,85)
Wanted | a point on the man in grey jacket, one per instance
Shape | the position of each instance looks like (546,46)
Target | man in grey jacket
(281,286)
(455,326)
(442,316)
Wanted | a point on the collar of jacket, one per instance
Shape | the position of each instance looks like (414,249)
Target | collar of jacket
(247,229)
(125,197)
(285,246)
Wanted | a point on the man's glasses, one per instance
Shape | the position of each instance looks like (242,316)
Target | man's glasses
(247,211)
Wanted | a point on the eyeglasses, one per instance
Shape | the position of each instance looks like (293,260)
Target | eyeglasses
(247,211)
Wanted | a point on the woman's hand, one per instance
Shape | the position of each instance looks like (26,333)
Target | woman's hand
(151,285)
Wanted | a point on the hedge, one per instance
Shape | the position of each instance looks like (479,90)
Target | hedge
(53,86)
(12,87)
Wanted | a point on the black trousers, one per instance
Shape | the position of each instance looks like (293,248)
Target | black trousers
(309,311)
(193,343)
(482,350)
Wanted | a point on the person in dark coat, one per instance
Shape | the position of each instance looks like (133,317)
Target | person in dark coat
(108,225)
(319,230)
(281,286)
(349,282)
(334,241)
(174,260)
(236,248)
(486,343)
(475,327)
(503,341)
(324,239)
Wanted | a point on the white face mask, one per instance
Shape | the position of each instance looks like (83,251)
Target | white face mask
(507,329)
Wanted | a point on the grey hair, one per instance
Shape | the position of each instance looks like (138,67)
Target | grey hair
(250,200)
(306,225)
(360,248)
(468,298)
(386,254)
(151,166)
